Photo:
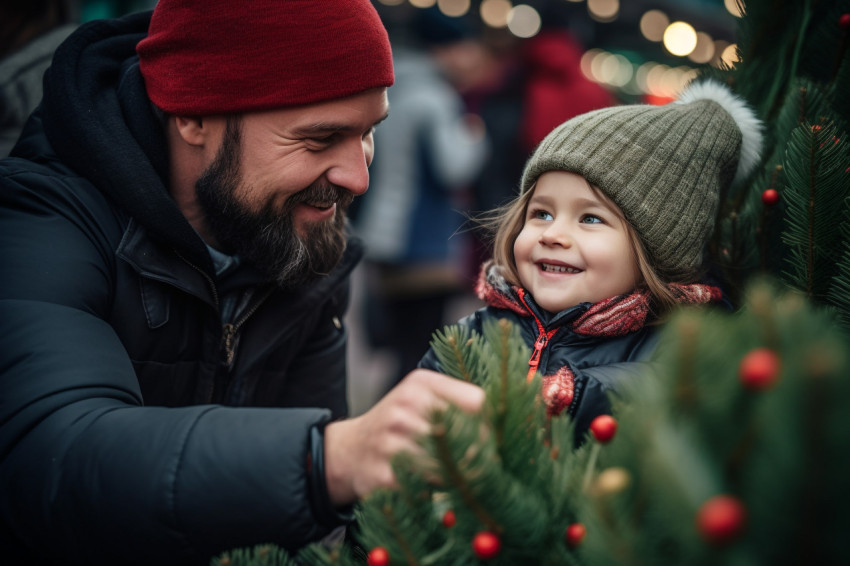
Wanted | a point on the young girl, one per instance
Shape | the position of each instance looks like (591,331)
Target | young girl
(608,235)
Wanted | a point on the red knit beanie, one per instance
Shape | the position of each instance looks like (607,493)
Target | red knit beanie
(205,57)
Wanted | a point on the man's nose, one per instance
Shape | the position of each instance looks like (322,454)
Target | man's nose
(352,169)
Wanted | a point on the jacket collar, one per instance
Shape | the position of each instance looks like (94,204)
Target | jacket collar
(154,260)
(494,290)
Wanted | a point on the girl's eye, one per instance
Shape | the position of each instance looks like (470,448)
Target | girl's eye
(541,215)
(591,219)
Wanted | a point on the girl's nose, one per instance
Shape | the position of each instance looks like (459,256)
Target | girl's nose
(556,235)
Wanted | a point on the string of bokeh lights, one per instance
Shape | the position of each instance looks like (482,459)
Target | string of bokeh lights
(650,78)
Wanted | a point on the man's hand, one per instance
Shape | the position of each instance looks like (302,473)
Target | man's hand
(358,451)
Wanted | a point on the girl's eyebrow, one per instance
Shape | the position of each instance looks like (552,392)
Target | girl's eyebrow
(591,202)
(546,200)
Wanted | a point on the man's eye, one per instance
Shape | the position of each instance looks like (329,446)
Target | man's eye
(322,142)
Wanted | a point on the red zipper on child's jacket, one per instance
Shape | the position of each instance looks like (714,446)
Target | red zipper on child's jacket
(543,338)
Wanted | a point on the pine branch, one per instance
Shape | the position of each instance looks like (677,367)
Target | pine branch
(457,351)
(259,555)
(686,394)
(814,193)
(501,405)
(839,292)
(398,535)
(317,554)
(511,404)
(459,482)
(798,43)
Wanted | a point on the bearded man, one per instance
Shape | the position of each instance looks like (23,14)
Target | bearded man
(175,278)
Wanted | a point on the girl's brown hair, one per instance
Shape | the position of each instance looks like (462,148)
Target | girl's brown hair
(506,222)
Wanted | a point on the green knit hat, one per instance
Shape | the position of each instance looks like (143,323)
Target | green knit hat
(664,166)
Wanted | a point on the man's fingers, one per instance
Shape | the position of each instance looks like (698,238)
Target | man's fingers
(358,452)
(444,389)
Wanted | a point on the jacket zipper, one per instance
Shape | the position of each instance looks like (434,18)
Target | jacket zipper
(211,283)
(230,330)
(214,290)
(543,338)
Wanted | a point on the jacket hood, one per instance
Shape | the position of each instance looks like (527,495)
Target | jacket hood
(98,119)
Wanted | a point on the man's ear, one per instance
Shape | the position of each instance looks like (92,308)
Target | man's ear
(191,129)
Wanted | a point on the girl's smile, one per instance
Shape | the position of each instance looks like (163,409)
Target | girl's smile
(555,267)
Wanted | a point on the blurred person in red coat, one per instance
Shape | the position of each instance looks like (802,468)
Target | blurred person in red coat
(555,87)
(522,89)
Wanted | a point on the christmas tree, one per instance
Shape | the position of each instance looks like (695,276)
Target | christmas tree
(792,219)
(733,451)
(733,448)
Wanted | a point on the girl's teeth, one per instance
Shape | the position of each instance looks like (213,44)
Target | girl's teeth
(560,269)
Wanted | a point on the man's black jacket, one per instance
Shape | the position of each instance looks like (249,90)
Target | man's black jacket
(125,429)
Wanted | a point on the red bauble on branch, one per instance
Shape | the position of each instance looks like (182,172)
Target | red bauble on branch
(603,428)
(770,197)
(575,534)
(378,556)
(486,545)
(759,369)
(721,519)
(844,21)
(449,519)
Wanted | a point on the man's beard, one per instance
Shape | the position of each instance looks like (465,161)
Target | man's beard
(267,238)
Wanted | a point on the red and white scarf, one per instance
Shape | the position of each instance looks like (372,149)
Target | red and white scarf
(616,316)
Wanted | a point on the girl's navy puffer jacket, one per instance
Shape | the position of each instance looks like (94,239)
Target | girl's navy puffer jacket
(595,365)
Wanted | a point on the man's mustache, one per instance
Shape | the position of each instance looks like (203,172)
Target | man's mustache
(321,193)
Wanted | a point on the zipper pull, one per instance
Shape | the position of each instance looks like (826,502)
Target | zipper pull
(228,335)
(534,361)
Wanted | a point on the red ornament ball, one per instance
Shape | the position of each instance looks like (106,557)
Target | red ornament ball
(759,369)
(844,21)
(486,545)
(721,519)
(378,556)
(603,427)
(575,534)
(770,197)
(449,519)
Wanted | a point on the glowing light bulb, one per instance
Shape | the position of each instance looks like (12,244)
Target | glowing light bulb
(680,38)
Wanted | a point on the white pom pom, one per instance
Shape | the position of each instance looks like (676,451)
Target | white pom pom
(744,116)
